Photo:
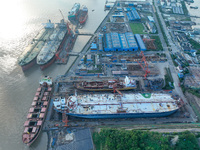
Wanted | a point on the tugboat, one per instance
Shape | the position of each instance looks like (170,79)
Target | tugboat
(37,112)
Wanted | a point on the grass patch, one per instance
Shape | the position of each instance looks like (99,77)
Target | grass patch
(157,42)
(97,70)
(195,110)
(194,44)
(114,139)
(169,82)
(173,59)
(137,28)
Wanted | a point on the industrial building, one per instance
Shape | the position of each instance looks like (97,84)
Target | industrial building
(150,18)
(100,42)
(151,27)
(140,42)
(120,42)
(132,14)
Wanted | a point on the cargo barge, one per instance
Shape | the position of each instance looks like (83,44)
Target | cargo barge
(107,85)
(101,106)
(38,111)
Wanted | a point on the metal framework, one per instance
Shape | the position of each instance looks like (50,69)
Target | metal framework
(145,67)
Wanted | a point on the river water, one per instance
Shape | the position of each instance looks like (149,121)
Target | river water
(21,20)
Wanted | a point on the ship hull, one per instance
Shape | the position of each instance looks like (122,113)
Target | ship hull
(42,67)
(46,65)
(106,89)
(121,115)
(83,19)
(29,65)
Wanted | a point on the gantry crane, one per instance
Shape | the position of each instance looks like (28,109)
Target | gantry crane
(145,67)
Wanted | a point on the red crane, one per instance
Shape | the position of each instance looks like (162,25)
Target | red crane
(145,67)
(115,89)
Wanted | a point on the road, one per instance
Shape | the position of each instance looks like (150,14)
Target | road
(171,65)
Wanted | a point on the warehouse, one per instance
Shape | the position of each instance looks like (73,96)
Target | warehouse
(120,42)
(108,42)
(131,41)
(140,42)
(115,41)
(124,43)
(100,42)
(135,14)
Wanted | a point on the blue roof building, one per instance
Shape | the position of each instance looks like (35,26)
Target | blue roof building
(100,42)
(124,44)
(131,41)
(115,41)
(135,14)
(140,42)
(93,47)
(108,42)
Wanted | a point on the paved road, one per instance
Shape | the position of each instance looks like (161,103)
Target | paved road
(171,66)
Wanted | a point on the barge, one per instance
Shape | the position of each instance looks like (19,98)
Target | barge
(37,112)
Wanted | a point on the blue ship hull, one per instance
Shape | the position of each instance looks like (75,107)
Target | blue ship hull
(122,115)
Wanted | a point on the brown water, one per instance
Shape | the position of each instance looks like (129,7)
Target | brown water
(21,20)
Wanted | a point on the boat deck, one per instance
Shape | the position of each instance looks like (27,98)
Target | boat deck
(128,103)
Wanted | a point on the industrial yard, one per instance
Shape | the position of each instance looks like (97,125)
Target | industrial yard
(133,44)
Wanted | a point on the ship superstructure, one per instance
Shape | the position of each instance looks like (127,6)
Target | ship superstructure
(37,112)
(117,106)
(74,12)
(107,85)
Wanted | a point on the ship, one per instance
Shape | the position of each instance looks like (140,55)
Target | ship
(28,58)
(83,14)
(73,13)
(130,105)
(194,7)
(53,42)
(37,113)
(107,85)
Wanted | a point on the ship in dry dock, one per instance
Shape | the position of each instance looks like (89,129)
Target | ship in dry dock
(117,106)
(54,43)
(28,58)
(37,112)
(107,85)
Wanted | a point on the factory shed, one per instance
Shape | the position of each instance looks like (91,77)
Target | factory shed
(129,16)
(100,42)
(115,41)
(150,18)
(93,47)
(124,43)
(135,14)
(120,73)
(108,42)
(140,42)
(131,41)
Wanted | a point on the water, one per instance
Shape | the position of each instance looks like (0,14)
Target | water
(195,12)
(21,20)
